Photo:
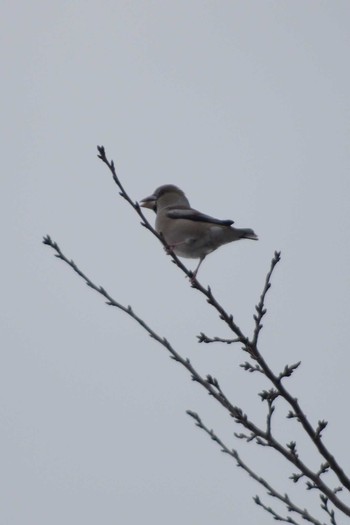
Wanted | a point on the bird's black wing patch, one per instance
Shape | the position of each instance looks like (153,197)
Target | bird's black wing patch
(194,215)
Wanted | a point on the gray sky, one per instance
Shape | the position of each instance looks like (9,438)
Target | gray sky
(244,105)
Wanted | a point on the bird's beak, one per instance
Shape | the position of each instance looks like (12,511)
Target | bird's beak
(149,202)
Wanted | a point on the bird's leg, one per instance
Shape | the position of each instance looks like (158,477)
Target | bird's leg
(194,274)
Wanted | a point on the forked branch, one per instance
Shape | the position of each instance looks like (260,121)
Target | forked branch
(256,363)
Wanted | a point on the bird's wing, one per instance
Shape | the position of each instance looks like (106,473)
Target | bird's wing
(194,215)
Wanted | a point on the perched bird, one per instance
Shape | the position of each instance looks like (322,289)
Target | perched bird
(188,232)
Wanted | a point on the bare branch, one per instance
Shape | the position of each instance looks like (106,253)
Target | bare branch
(202,338)
(260,307)
(297,412)
(288,370)
(325,507)
(248,367)
(211,384)
(271,511)
(248,346)
(284,498)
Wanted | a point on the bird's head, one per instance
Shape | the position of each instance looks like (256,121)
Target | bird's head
(164,196)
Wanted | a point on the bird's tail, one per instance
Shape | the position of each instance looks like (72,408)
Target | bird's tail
(248,233)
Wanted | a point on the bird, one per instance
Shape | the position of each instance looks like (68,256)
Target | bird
(188,232)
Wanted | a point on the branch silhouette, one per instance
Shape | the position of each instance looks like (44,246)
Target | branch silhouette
(256,363)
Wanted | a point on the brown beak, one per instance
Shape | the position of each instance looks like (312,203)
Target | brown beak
(149,202)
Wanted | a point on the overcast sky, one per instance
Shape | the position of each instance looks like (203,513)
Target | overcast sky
(244,105)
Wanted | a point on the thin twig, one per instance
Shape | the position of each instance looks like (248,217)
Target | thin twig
(291,507)
(209,383)
(260,307)
(202,338)
(325,507)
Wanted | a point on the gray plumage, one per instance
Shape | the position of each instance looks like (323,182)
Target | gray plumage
(188,232)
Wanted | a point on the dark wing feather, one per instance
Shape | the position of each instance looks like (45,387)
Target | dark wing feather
(194,215)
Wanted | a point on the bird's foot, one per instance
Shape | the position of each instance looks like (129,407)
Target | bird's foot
(192,277)
(168,249)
